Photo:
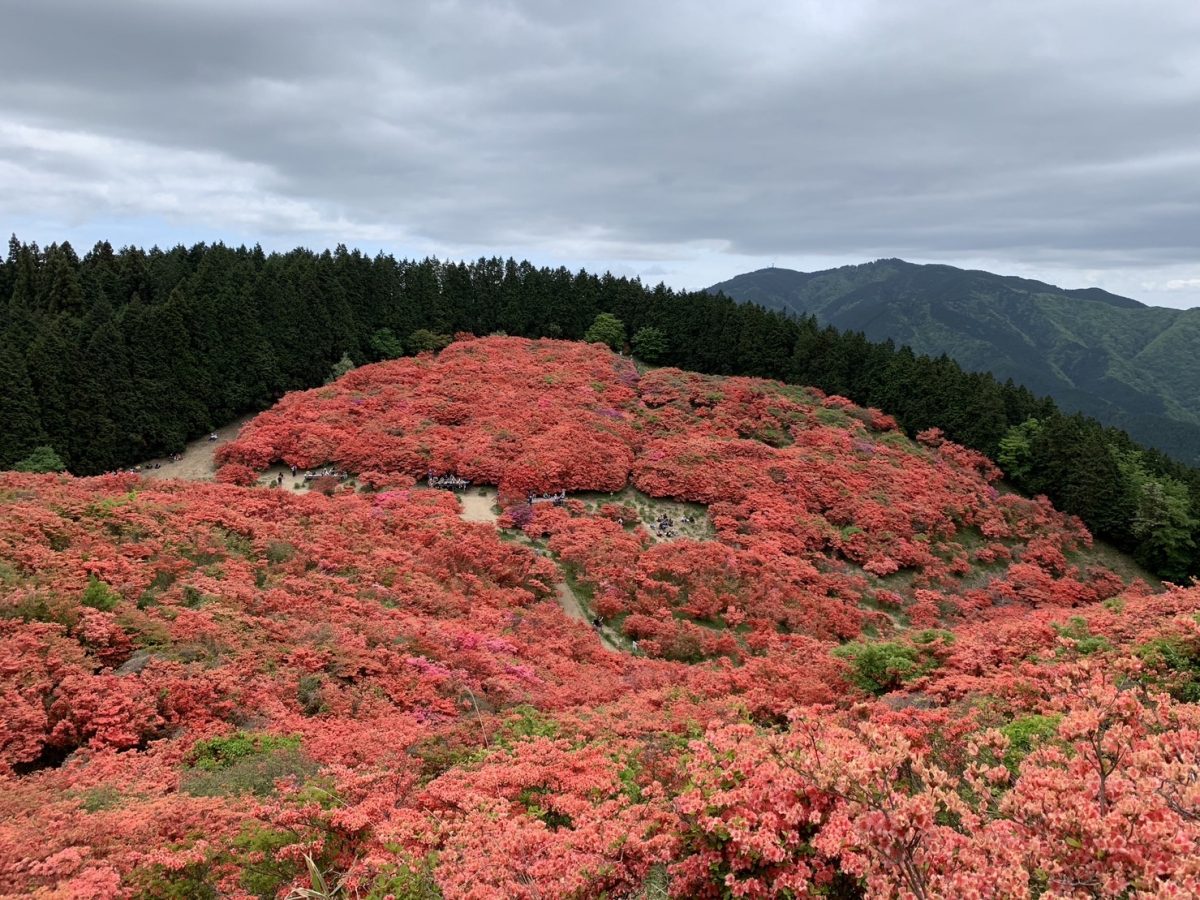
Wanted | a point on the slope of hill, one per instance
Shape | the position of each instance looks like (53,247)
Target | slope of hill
(119,356)
(1127,364)
(870,674)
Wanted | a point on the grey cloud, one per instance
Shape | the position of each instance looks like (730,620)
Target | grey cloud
(1063,134)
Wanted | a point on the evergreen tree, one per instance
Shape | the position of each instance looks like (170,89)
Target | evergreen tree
(22,423)
(104,404)
(22,303)
(1073,464)
(170,385)
(64,292)
(53,366)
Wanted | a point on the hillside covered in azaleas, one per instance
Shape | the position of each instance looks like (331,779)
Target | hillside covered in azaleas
(880,675)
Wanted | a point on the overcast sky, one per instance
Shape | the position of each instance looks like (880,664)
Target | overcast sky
(682,142)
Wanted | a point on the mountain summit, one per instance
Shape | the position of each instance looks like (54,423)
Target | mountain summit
(1128,364)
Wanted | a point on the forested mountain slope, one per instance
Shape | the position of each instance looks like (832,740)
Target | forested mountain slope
(1133,366)
(121,355)
(875,675)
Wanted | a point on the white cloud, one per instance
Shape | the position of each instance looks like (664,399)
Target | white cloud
(79,177)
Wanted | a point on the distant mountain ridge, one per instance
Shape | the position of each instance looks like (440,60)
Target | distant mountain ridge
(1128,364)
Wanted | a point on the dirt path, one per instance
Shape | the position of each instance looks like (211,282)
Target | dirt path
(196,463)
(569,602)
(479,505)
(574,610)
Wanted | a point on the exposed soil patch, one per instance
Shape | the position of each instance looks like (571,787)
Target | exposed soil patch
(196,461)
(479,505)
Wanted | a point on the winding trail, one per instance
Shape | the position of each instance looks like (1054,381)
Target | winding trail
(478,505)
(574,610)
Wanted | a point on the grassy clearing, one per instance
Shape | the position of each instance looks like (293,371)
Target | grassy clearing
(649,509)
(1104,554)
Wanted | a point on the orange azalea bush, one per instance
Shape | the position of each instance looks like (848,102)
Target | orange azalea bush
(874,675)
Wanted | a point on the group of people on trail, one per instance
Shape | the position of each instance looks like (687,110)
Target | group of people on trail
(665,526)
(327,472)
(557,499)
(448,482)
(144,467)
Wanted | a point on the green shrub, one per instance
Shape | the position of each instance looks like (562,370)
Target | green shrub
(162,581)
(192,598)
(309,695)
(157,882)
(529,722)
(1026,734)
(220,752)
(879,667)
(238,544)
(280,552)
(99,595)
(101,798)
(1086,643)
(1181,659)
(34,608)
(930,635)
(245,763)
(263,871)
(423,340)
(411,879)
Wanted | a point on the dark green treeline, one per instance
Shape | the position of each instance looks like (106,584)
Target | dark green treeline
(121,355)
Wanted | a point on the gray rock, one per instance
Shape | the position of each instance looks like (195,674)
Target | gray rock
(135,663)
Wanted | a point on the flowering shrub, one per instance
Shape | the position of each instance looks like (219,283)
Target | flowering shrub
(202,684)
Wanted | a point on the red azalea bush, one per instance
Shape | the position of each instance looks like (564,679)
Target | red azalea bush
(877,676)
